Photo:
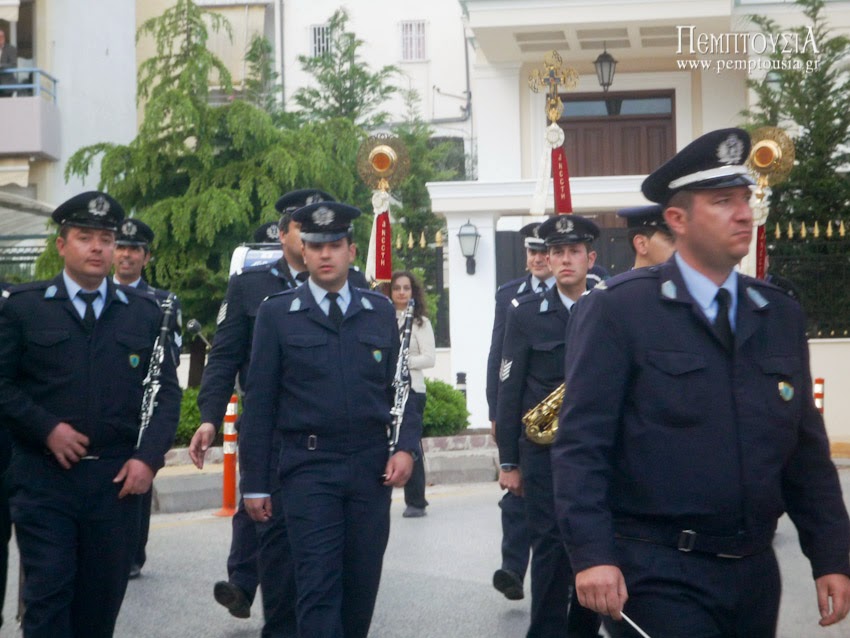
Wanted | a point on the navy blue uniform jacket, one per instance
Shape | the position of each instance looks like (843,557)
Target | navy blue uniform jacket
(533,354)
(307,377)
(231,350)
(661,426)
(51,371)
(504,295)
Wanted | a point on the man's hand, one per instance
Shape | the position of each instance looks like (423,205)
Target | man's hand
(398,469)
(259,509)
(834,588)
(511,480)
(201,441)
(67,445)
(137,476)
(602,589)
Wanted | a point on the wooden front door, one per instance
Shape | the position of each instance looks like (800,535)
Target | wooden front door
(618,134)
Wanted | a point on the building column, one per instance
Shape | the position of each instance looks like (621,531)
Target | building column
(497,108)
(471,308)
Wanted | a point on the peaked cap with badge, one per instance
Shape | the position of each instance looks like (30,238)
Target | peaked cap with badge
(91,209)
(268,233)
(651,216)
(568,229)
(325,221)
(531,237)
(714,160)
(134,232)
(294,200)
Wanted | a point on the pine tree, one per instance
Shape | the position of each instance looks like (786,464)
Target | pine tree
(813,98)
(202,176)
(345,86)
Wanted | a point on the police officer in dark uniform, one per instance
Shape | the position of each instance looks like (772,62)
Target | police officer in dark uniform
(322,367)
(5,516)
(649,237)
(689,427)
(74,352)
(532,367)
(516,542)
(132,254)
(229,360)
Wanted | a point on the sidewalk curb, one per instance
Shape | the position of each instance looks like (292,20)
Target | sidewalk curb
(181,487)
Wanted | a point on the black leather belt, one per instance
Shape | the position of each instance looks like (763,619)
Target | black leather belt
(689,540)
(342,444)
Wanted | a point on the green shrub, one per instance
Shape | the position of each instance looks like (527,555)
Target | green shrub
(190,418)
(445,410)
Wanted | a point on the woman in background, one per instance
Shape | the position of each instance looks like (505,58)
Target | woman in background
(403,287)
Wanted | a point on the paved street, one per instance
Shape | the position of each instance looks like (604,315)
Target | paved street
(436,580)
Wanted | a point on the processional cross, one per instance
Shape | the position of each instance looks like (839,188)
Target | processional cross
(553,75)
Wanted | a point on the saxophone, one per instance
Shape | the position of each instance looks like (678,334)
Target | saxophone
(401,380)
(541,421)
(151,382)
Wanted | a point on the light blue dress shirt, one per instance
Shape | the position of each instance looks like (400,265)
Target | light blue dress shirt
(704,291)
(321,296)
(73,288)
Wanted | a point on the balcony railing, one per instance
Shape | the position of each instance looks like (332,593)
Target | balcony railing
(27,81)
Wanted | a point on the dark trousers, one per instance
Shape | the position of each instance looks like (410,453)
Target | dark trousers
(76,541)
(276,573)
(516,542)
(337,515)
(414,489)
(552,612)
(144,529)
(673,593)
(5,535)
(242,560)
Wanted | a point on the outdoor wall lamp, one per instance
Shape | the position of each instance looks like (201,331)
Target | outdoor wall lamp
(468,236)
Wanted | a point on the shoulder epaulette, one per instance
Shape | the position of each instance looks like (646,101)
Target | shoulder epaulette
(525,299)
(282,293)
(129,291)
(32,285)
(259,268)
(632,275)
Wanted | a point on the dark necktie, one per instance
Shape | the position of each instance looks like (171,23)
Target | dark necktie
(302,277)
(88,317)
(542,287)
(721,321)
(334,312)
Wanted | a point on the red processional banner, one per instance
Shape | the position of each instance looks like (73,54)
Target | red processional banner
(561,180)
(761,252)
(383,248)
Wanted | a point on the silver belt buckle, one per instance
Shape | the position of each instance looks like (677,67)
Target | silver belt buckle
(687,540)
(312,442)
(90,457)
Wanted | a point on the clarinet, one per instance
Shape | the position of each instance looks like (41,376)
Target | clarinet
(151,382)
(401,380)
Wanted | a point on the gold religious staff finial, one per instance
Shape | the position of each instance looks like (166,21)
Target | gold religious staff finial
(553,76)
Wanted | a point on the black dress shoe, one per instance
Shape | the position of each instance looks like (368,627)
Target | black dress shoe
(233,597)
(509,583)
(135,571)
